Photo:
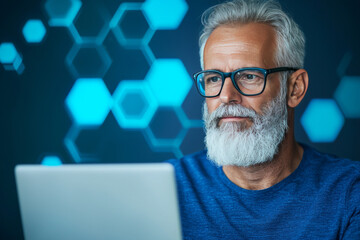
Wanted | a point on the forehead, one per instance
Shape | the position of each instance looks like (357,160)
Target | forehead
(241,45)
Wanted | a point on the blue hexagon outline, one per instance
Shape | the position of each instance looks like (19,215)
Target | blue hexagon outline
(346,95)
(154,10)
(17,66)
(164,142)
(148,53)
(165,145)
(98,39)
(144,44)
(316,129)
(188,123)
(70,143)
(138,86)
(67,20)
(105,57)
(17,63)
(34,31)
(159,71)
(107,103)
(120,36)
(134,42)
(169,144)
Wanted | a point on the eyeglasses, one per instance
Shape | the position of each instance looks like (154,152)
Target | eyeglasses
(248,81)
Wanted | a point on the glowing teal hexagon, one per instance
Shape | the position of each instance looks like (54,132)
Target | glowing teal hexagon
(165,14)
(169,81)
(89,101)
(347,96)
(51,161)
(322,120)
(10,58)
(134,104)
(34,31)
(62,12)
(8,53)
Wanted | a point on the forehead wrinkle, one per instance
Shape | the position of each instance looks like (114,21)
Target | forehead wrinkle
(230,50)
(228,43)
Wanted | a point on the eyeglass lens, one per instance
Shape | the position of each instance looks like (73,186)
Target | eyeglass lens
(248,81)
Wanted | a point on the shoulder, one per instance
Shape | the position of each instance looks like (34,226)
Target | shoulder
(195,162)
(194,168)
(338,181)
(191,160)
(334,173)
(331,165)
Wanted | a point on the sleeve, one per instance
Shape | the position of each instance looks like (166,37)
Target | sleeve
(352,230)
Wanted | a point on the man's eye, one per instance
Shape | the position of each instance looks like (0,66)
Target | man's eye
(213,79)
(249,76)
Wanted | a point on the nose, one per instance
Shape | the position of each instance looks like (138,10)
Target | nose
(229,94)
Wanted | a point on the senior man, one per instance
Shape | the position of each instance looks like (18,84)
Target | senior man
(255,181)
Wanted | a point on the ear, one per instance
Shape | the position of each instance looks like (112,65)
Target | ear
(297,87)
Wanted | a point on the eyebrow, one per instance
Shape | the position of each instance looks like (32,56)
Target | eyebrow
(233,69)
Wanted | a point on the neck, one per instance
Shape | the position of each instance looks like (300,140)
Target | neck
(265,175)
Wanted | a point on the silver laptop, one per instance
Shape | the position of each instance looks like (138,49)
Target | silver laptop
(98,201)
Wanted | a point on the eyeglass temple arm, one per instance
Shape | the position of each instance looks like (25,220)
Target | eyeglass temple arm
(281,69)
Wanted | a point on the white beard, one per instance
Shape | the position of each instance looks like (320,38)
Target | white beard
(233,144)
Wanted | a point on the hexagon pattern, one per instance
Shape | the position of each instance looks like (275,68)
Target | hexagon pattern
(34,31)
(170,81)
(347,95)
(89,101)
(165,14)
(134,104)
(51,161)
(322,120)
(62,12)
(166,84)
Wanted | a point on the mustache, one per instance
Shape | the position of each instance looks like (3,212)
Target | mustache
(227,110)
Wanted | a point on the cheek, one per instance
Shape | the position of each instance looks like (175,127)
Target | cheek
(258,102)
(212,104)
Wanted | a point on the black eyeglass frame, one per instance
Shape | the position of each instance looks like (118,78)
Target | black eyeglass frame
(225,75)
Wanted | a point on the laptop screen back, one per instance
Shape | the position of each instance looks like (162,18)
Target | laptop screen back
(119,201)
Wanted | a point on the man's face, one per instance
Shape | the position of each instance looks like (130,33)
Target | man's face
(231,47)
(244,130)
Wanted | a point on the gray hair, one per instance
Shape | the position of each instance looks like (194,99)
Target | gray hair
(290,39)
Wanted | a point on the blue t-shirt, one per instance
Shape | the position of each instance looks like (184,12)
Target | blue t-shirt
(319,200)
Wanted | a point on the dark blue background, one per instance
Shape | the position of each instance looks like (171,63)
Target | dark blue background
(34,119)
